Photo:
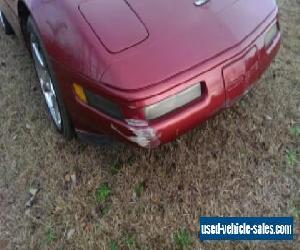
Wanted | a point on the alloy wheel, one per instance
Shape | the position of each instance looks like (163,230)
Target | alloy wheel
(46,83)
(2,20)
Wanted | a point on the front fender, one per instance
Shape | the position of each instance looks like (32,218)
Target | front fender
(67,38)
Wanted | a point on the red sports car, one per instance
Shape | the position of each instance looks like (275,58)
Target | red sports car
(144,71)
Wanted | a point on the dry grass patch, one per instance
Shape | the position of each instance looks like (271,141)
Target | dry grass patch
(244,162)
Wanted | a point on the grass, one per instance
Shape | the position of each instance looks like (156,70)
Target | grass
(295,131)
(50,234)
(296,213)
(236,164)
(115,168)
(130,241)
(292,158)
(114,245)
(139,189)
(103,193)
(182,239)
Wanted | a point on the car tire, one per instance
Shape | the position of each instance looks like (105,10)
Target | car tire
(48,83)
(5,24)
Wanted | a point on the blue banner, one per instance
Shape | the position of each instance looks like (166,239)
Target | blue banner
(246,228)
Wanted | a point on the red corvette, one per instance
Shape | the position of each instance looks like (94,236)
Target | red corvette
(144,71)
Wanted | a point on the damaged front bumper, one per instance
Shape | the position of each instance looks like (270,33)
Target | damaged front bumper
(235,73)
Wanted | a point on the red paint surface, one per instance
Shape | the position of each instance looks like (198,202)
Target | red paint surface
(158,49)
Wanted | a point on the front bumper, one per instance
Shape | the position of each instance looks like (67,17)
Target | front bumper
(238,69)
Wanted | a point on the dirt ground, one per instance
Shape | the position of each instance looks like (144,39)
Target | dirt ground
(243,162)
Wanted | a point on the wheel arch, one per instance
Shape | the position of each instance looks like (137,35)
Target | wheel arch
(23,14)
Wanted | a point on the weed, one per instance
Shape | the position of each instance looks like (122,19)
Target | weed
(296,212)
(292,158)
(103,193)
(115,168)
(113,245)
(139,189)
(294,209)
(50,234)
(295,131)
(182,239)
(130,241)
(104,211)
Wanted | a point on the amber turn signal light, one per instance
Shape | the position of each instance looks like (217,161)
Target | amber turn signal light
(79,92)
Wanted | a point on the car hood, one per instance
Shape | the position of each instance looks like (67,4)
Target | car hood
(151,41)
(116,25)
